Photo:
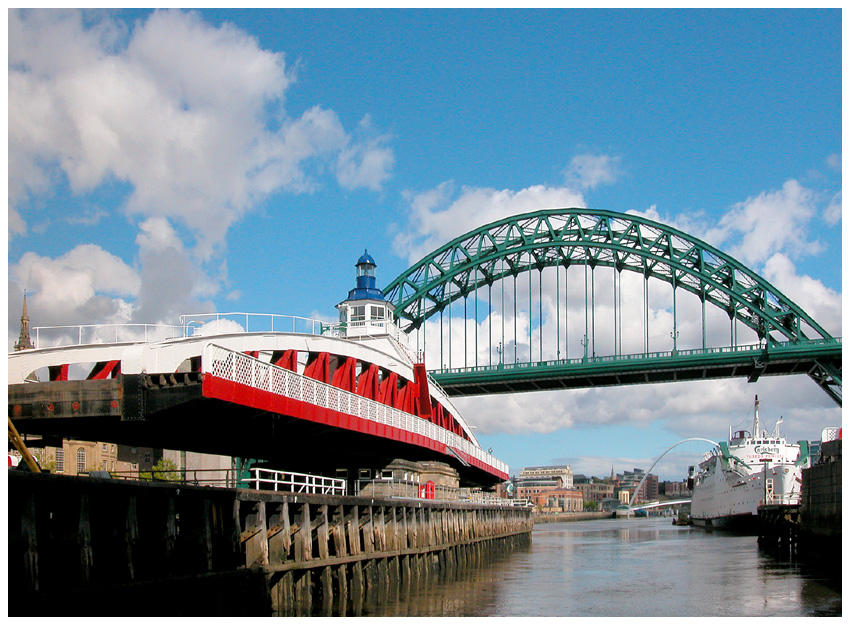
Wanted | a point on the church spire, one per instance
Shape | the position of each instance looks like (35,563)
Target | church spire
(24,341)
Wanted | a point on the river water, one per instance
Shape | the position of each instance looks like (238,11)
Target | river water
(626,568)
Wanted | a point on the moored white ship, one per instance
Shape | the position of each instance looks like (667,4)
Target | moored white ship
(751,469)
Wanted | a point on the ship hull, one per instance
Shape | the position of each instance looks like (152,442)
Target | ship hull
(730,500)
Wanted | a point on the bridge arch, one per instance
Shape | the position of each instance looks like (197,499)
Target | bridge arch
(580,236)
(584,238)
(658,459)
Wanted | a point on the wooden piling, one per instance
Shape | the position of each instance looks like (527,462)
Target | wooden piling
(315,554)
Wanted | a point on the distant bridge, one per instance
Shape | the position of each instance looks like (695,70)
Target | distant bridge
(659,504)
(514,299)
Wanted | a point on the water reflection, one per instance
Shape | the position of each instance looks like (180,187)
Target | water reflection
(619,567)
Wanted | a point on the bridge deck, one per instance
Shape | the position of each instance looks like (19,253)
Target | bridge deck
(745,361)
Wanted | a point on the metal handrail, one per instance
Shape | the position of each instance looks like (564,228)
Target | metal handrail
(642,356)
(152,332)
(145,328)
(291,482)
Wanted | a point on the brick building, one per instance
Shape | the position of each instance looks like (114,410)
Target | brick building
(558,500)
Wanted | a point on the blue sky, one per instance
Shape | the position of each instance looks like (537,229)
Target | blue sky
(177,162)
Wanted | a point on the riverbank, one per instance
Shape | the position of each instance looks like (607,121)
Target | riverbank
(562,517)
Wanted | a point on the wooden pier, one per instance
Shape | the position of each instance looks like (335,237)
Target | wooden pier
(778,529)
(89,546)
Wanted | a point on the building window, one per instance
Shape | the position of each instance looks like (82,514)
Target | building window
(81,460)
(104,447)
(60,460)
(148,458)
(377,312)
(358,313)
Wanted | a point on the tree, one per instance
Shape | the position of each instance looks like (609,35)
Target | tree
(590,505)
(164,470)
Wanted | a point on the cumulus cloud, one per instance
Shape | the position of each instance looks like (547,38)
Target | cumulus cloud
(188,117)
(687,409)
(171,283)
(820,302)
(87,283)
(588,171)
(768,223)
(177,108)
(435,218)
(832,214)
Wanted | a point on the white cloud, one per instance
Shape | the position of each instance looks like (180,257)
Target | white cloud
(365,165)
(768,223)
(588,171)
(820,302)
(435,218)
(171,282)
(833,161)
(189,117)
(86,285)
(16,224)
(181,112)
(832,214)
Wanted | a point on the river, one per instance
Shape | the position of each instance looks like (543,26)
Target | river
(625,568)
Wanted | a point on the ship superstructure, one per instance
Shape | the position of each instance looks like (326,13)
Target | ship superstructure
(749,470)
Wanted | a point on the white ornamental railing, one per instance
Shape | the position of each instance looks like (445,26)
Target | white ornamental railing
(287,481)
(243,369)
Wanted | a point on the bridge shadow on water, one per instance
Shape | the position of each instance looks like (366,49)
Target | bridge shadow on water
(442,589)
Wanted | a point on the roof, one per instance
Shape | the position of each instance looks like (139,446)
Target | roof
(366,259)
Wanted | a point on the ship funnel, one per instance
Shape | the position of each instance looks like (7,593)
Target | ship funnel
(756,425)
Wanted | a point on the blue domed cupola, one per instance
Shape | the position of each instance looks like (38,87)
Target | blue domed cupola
(365,312)
(365,288)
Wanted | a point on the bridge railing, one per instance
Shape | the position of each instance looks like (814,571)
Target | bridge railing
(290,482)
(204,324)
(105,333)
(754,348)
(244,369)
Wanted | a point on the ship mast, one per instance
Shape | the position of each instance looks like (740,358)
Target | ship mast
(756,424)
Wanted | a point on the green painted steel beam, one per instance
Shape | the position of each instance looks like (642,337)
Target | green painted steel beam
(820,359)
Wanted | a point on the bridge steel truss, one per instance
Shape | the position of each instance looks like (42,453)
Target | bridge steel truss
(594,238)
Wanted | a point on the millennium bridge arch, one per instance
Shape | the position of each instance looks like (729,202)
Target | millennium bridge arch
(780,337)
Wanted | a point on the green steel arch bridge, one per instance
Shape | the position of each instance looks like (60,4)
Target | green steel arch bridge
(577,298)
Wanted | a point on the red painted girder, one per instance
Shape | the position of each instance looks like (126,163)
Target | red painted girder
(424,395)
(345,376)
(319,367)
(389,389)
(104,370)
(58,372)
(287,359)
(367,383)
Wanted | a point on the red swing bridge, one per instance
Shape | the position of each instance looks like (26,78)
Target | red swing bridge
(317,398)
